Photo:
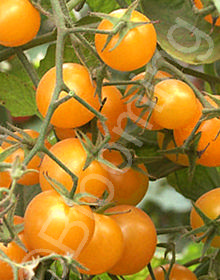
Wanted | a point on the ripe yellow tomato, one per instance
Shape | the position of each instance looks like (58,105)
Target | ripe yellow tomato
(71,113)
(140,239)
(176,104)
(50,225)
(178,272)
(105,248)
(209,204)
(19,22)
(114,110)
(14,252)
(136,48)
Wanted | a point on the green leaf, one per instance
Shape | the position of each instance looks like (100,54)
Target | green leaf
(17,96)
(105,6)
(204,179)
(181,33)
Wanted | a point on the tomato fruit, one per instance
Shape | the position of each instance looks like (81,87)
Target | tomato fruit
(71,113)
(179,158)
(105,248)
(132,52)
(208,18)
(176,104)
(209,142)
(127,186)
(71,153)
(134,112)
(178,272)
(115,112)
(57,227)
(19,22)
(64,133)
(209,204)
(14,252)
(140,239)
(30,178)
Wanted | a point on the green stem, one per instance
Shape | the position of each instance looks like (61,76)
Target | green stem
(172,230)
(28,66)
(151,271)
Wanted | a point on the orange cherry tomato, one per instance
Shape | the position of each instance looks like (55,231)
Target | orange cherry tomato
(209,142)
(19,22)
(209,204)
(71,113)
(71,153)
(115,112)
(14,252)
(135,112)
(178,272)
(176,104)
(179,158)
(30,178)
(105,248)
(208,18)
(127,186)
(63,133)
(50,225)
(132,52)
(140,239)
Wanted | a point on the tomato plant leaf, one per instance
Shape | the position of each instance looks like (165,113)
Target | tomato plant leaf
(17,96)
(204,179)
(181,33)
(217,5)
(105,6)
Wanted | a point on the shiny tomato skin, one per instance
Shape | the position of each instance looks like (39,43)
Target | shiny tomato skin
(135,112)
(209,142)
(209,204)
(19,22)
(140,239)
(115,112)
(132,52)
(208,18)
(50,225)
(127,186)
(71,153)
(105,248)
(176,104)
(14,252)
(178,272)
(71,113)
(30,178)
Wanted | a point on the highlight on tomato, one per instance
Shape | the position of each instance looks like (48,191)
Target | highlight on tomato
(136,48)
(59,228)
(104,249)
(71,113)
(176,104)
(70,152)
(209,204)
(14,252)
(114,110)
(30,178)
(178,272)
(140,239)
(127,185)
(19,22)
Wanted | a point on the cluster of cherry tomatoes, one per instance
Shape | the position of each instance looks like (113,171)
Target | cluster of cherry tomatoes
(119,239)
